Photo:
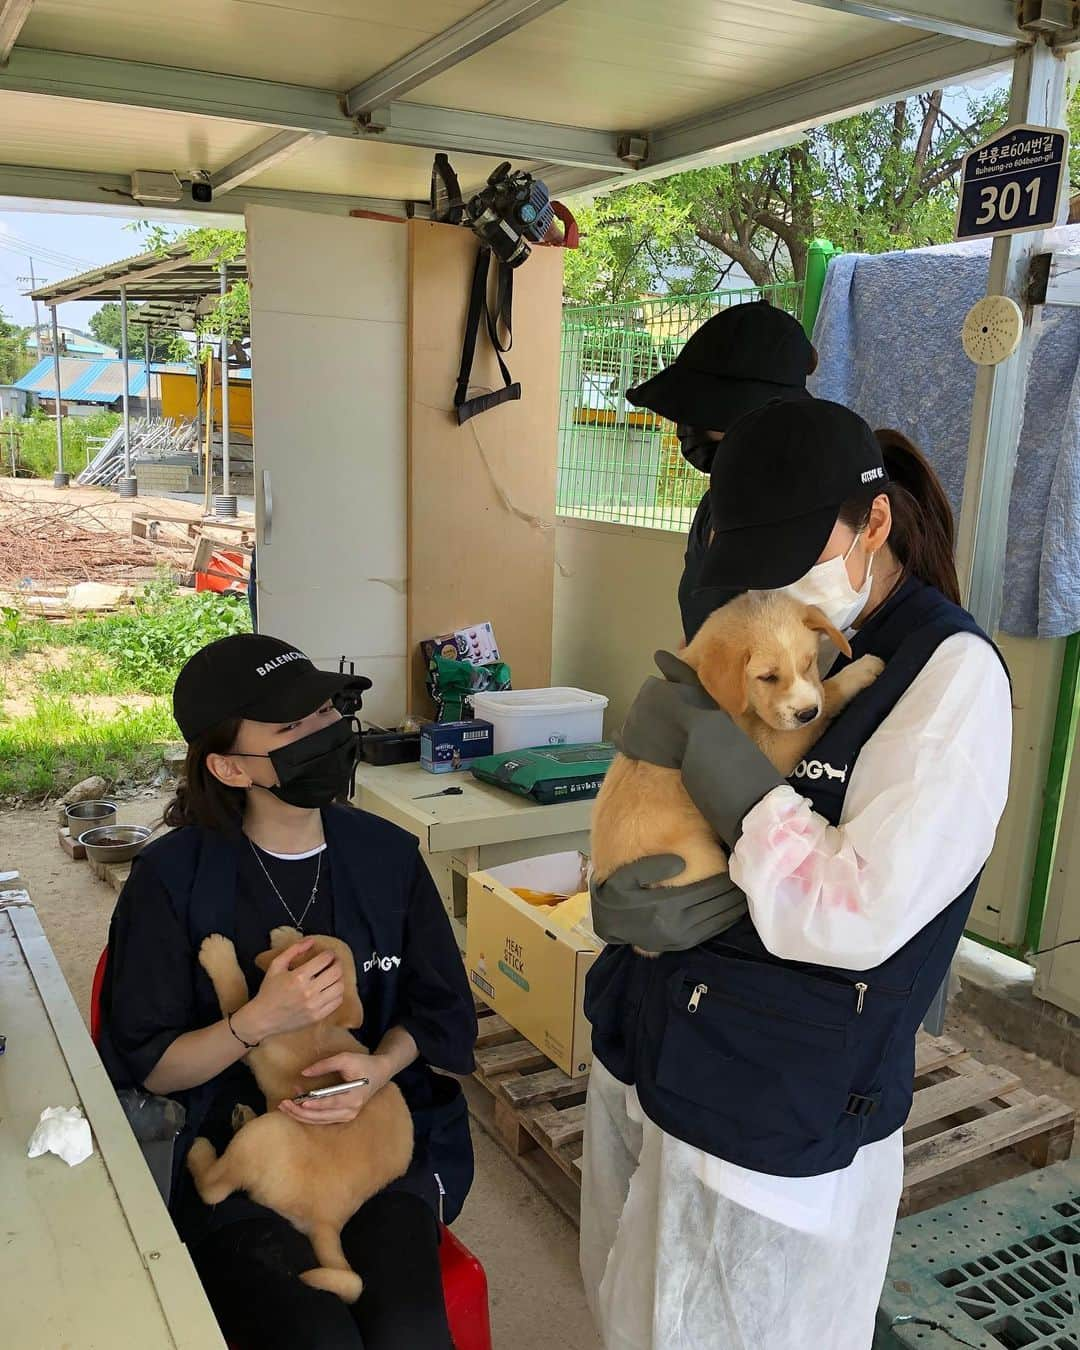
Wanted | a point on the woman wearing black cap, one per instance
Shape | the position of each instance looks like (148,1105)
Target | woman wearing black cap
(743,1148)
(260,843)
(739,360)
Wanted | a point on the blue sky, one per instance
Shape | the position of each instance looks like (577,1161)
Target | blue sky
(59,245)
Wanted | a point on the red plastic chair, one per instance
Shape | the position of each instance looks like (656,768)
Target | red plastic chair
(464,1281)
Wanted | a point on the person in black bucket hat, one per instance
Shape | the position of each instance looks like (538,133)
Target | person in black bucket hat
(744,1123)
(746,356)
(262,840)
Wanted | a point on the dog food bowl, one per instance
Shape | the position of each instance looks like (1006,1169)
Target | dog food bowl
(84,815)
(114,843)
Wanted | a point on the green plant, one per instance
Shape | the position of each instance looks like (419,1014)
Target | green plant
(10,624)
(150,643)
(36,441)
(56,744)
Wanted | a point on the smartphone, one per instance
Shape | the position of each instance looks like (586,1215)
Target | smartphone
(317,1094)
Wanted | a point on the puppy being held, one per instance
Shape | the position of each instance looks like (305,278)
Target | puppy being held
(757,658)
(316,1176)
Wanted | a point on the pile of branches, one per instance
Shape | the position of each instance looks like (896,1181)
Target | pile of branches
(48,546)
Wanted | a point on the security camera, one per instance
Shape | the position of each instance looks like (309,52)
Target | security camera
(201,188)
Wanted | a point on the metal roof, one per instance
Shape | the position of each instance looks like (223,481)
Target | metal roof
(84,381)
(335,104)
(171,275)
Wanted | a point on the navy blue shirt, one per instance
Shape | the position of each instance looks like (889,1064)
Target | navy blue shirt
(374,892)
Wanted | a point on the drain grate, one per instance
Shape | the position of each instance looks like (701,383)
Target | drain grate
(999,1270)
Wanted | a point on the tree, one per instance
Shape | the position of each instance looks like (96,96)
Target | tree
(14,358)
(164,345)
(884,179)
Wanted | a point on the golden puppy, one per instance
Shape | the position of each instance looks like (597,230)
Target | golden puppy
(316,1176)
(757,657)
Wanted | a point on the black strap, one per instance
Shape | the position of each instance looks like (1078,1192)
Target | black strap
(502,315)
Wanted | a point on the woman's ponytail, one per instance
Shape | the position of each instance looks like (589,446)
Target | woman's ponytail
(923,536)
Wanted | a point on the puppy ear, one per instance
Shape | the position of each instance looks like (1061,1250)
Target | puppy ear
(818,623)
(263,960)
(724,671)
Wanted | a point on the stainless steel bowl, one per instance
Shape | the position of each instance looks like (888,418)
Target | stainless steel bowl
(83,815)
(133,837)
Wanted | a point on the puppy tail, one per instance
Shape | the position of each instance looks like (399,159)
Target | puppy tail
(334,1274)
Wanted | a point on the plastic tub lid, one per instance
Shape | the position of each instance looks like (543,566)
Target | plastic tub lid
(540,700)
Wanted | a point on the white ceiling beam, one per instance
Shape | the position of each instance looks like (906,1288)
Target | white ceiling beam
(134,84)
(13,14)
(111,194)
(514,138)
(771,121)
(913,68)
(487,25)
(263,157)
(991,21)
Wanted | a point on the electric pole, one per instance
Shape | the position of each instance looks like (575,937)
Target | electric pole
(32,281)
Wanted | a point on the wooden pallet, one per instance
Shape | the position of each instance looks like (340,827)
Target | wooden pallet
(532,1108)
(963,1111)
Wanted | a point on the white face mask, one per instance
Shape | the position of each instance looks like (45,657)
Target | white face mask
(828,586)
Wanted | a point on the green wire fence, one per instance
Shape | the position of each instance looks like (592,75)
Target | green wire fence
(618,463)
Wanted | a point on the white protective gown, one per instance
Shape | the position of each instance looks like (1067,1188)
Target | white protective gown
(682,1251)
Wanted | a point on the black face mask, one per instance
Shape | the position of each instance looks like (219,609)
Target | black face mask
(697,446)
(317,769)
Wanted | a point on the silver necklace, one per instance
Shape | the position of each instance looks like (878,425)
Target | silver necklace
(298,923)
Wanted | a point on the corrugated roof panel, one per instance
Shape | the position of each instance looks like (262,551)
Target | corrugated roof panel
(92,381)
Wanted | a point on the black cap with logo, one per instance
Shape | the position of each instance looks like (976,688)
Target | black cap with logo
(743,357)
(254,676)
(775,491)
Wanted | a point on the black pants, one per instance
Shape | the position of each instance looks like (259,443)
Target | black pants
(249,1271)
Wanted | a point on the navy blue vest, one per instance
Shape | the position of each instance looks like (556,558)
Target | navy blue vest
(373,863)
(777,1066)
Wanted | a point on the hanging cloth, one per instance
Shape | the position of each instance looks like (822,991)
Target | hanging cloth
(495,319)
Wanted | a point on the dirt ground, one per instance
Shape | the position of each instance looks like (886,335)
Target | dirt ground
(21,683)
(526,1245)
(112,511)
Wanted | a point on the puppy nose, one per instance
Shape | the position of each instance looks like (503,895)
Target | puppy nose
(805,715)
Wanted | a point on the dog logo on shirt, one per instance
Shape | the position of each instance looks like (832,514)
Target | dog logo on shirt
(816,768)
(384,963)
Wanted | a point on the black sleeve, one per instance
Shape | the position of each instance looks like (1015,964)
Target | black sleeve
(151,991)
(436,1006)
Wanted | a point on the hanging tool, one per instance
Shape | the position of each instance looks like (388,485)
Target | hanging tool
(446,792)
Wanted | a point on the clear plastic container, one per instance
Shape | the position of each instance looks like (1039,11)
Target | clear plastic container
(524,718)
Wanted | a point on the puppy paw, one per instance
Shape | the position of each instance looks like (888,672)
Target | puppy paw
(201,1155)
(281,938)
(216,954)
(865,671)
(241,1116)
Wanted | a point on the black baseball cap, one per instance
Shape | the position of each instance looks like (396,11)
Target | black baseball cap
(775,491)
(255,676)
(740,359)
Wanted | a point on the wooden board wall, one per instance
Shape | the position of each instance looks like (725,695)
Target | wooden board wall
(481,497)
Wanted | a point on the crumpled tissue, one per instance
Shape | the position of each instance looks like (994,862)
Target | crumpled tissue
(62,1130)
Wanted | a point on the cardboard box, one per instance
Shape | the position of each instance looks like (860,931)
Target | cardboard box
(531,972)
(476,645)
(446,746)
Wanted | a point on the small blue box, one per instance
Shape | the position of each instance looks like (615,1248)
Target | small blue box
(446,746)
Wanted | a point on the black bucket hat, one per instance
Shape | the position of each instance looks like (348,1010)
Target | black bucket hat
(742,358)
(775,492)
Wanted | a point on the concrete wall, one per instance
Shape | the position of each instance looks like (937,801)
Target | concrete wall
(615,604)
